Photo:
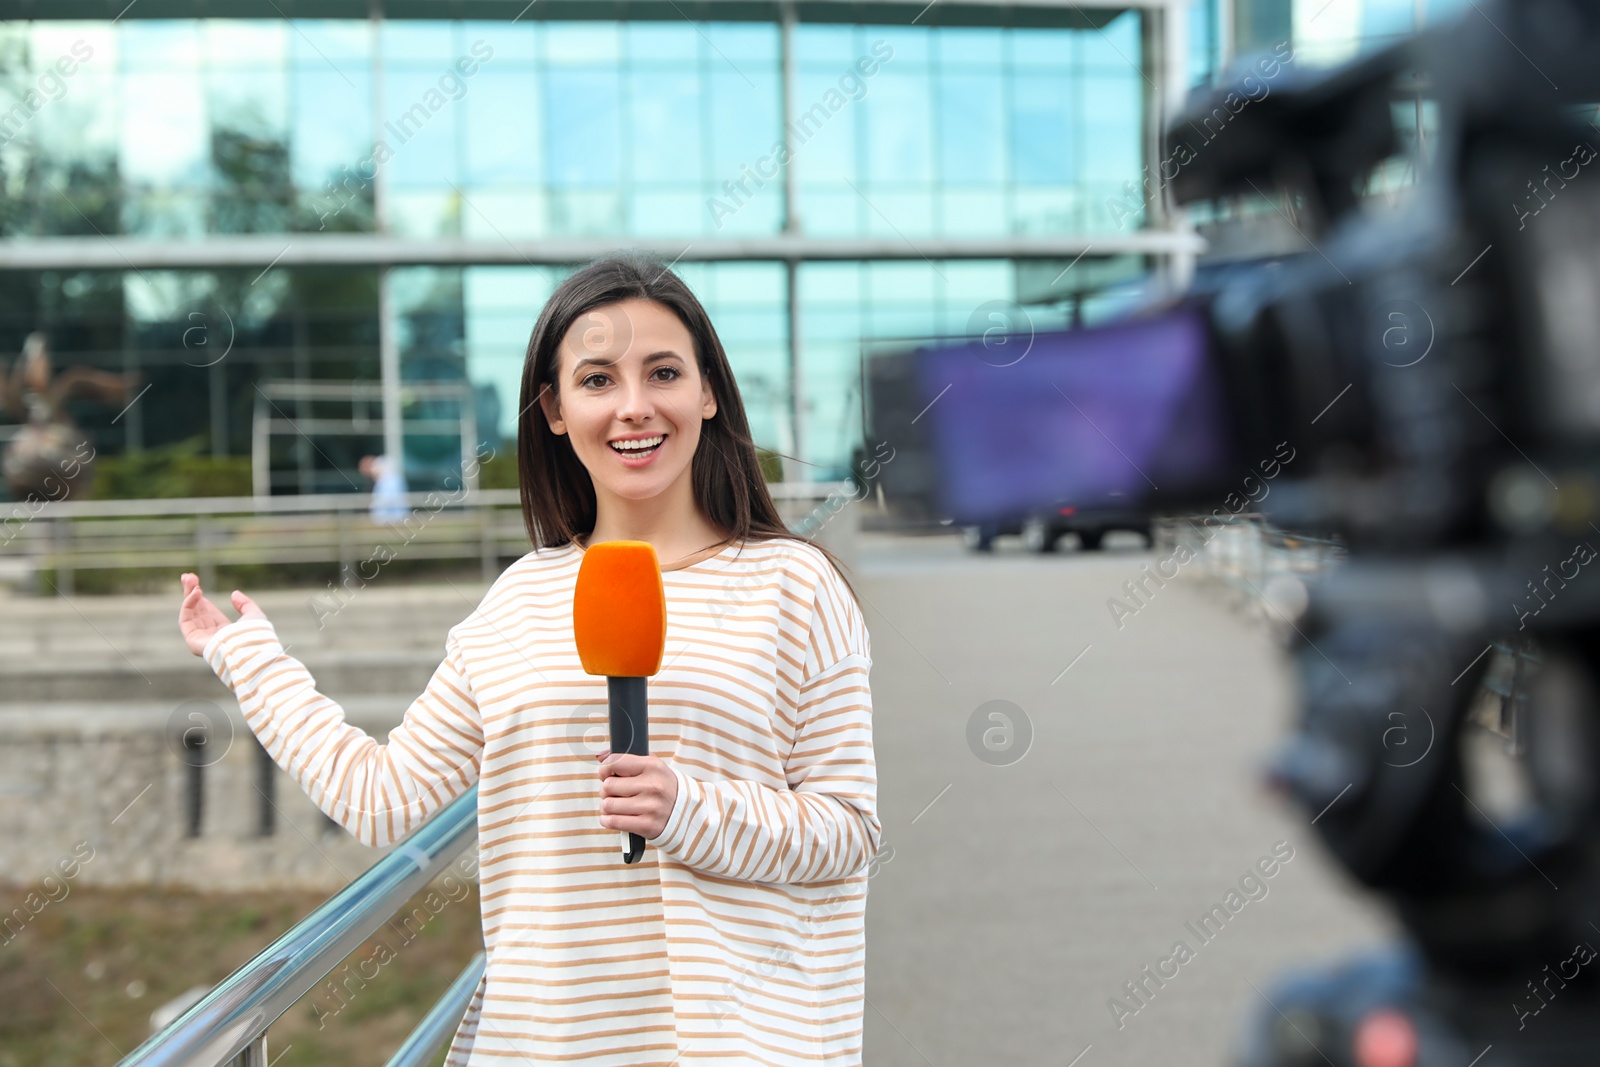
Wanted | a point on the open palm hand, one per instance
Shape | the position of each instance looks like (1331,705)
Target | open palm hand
(199,618)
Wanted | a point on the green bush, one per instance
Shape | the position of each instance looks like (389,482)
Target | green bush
(176,470)
(771,465)
(500,472)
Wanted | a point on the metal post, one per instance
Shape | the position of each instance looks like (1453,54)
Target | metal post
(791,207)
(488,544)
(218,388)
(341,521)
(62,531)
(1225,33)
(260,453)
(791,225)
(252,1055)
(267,786)
(1165,40)
(389,367)
(388,342)
(797,392)
(133,440)
(1418,17)
(202,550)
(380,199)
(302,408)
(469,442)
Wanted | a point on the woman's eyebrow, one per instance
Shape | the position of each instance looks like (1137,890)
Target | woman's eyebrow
(665,353)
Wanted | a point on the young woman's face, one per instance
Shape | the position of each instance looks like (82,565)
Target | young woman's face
(627,374)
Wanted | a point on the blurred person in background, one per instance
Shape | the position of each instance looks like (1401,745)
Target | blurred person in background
(388,488)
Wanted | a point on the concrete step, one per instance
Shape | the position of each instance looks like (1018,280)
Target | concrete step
(117,680)
(110,632)
(94,719)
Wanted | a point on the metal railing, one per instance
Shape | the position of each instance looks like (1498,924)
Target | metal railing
(229,1024)
(442,1021)
(204,533)
(1244,552)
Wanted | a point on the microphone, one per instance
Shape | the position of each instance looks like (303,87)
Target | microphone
(619,619)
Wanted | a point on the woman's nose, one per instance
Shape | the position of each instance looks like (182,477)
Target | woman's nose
(634,400)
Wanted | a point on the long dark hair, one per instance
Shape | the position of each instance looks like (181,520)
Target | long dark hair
(558,499)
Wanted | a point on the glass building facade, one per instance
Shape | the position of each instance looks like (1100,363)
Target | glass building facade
(913,158)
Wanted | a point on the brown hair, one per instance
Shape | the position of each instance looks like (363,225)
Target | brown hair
(558,499)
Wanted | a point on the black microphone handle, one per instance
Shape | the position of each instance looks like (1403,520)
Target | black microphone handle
(630,734)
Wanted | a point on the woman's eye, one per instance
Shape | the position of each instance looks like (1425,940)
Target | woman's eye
(672,370)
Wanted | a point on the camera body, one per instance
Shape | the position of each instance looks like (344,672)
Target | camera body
(1439,364)
(1433,366)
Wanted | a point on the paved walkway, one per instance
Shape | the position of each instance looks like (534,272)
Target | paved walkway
(1018,899)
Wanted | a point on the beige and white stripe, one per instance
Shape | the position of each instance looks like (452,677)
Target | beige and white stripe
(740,936)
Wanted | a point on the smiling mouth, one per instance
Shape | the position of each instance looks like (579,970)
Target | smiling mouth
(619,448)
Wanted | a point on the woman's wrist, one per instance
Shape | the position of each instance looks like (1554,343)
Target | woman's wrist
(215,650)
(668,839)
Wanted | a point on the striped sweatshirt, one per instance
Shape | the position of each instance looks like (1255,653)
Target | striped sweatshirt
(739,937)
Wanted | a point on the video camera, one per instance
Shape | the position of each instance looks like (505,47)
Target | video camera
(1433,365)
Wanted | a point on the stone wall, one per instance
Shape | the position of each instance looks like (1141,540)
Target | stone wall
(109,792)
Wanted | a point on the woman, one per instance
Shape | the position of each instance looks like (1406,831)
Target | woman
(740,936)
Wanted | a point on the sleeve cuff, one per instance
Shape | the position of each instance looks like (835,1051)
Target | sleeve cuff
(216,651)
(671,838)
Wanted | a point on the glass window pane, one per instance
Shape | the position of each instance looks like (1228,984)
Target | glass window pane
(828,210)
(982,48)
(654,213)
(746,303)
(228,44)
(332,124)
(744,118)
(1114,48)
(897,125)
(662,42)
(972,212)
(582,43)
(249,99)
(252,186)
(586,212)
(417,42)
(1109,128)
(503,127)
(417,212)
(1041,128)
(503,213)
(909,45)
(160,44)
(830,45)
(164,132)
(583,118)
(665,125)
(82,123)
(972,127)
(420,130)
(510,42)
(748,45)
(97,51)
(1040,48)
(343,45)
(824,129)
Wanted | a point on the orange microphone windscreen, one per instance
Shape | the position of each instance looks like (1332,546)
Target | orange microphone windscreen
(619,610)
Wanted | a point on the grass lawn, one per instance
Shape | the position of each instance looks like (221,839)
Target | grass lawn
(78,983)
